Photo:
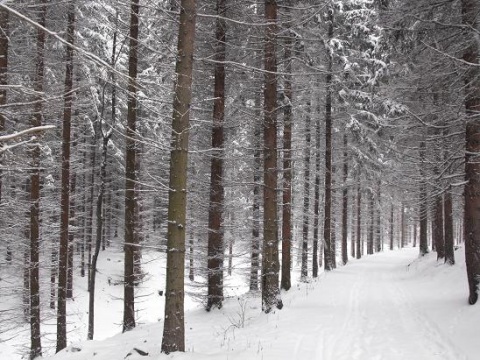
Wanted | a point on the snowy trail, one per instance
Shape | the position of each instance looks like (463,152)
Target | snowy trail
(366,311)
(382,321)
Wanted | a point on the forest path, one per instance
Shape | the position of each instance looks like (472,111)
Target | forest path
(369,310)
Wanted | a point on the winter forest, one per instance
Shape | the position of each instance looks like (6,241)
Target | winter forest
(240,167)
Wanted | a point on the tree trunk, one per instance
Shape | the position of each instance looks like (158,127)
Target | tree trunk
(191,267)
(174,326)
(402,226)
(371,220)
(139,230)
(4,34)
(83,209)
(438,227)
(306,196)
(270,263)
(98,238)
(470,9)
(423,203)
(286,282)
(448,225)
(216,246)
(392,237)
(71,235)
(130,178)
(359,222)
(91,200)
(345,200)
(35,336)
(65,200)
(353,226)
(316,210)
(378,227)
(255,250)
(327,231)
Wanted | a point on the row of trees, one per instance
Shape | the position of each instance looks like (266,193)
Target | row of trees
(340,102)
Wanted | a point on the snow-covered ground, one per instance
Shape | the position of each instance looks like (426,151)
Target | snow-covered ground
(387,306)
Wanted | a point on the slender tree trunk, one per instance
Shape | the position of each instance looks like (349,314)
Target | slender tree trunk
(333,221)
(4,36)
(316,209)
(270,262)
(83,210)
(35,336)
(353,226)
(306,195)
(359,222)
(26,259)
(402,225)
(414,233)
(216,245)
(327,230)
(191,268)
(286,282)
(53,273)
(378,227)
(65,200)
(98,238)
(448,224)
(345,200)
(91,200)
(371,220)
(438,228)
(130,178)
(71,235)
(255,254)
(423,203)
(139,230)
(470,9)
(174,326)
(392,237)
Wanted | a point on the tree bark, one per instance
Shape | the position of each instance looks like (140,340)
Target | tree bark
(270,262)
(438,228)
(371,220)
(216,246)
(65,197)
(359,222)
(174,326)
(71,234)
(257,162)
(448,226)
(286,282)
(316,208)
(4,34)
(378,227)
(306,196)
(470,9)
(423,203)
(35,336)
(130,178)
(327,231)
(345,200)
(392,237)
(98,237)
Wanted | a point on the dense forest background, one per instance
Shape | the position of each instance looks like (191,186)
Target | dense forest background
(316,131)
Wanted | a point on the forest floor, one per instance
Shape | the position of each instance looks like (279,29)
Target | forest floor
(389,306)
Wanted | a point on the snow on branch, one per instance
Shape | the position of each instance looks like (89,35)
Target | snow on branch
(9,137)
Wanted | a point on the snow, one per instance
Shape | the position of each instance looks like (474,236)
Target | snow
(391,305)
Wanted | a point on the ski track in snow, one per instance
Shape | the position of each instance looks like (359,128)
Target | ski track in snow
(381,319)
